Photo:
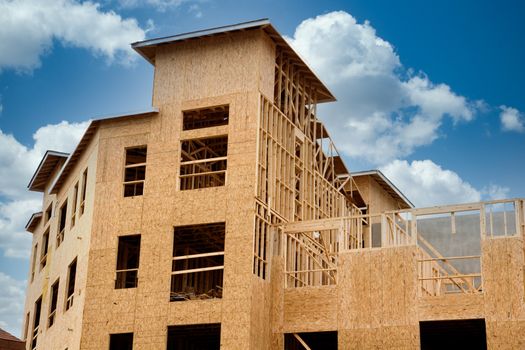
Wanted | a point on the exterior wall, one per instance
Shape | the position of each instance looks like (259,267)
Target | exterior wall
(374,195)
(223,71)
(65,333)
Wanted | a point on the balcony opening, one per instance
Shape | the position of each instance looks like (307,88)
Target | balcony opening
(135,171)
(311,340)
(203,162)
(70,291)
(121,341)
(49,213)
(36,322)
(45,248)
(205,117)
(128,262)
(453,334)
(83,193)
(199,336)
(198,262)
(62,223)
(53,304)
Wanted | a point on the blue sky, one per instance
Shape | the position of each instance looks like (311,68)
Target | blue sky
(429,92)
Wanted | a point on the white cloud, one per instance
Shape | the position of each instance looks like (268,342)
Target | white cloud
(160,5)
(383,111)
(29,28)
(511,119)
(493,192)
(11,303)
(427,184)
(17,165)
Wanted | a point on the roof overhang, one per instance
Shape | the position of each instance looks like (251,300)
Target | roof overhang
(387,185)
(86,139)
(33,222)
(45,169)
(148,48)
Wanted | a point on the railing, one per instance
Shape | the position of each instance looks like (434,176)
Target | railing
(51,318)
(69,302)
(203,173)
(60,237)
(126,278)
(34,337)
(197,276)
(449,240)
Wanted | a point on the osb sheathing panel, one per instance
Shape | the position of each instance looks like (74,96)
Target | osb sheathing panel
(66,331)
(380,200)
(310,309)
(451,307)
(376,294)
(214,66)
(505,335)
(502,268)
(277,302)
(260,325)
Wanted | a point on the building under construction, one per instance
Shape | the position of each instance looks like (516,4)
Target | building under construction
(225,218)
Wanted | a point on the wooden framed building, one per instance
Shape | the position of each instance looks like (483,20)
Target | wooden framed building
(225,218)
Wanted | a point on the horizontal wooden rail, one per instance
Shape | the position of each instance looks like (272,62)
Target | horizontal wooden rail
(193,256)
(202,269)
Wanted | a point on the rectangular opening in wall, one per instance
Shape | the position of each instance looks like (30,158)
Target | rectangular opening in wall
(62,223)
(121,341)
(83,192)
(26,327)
(33,265)
(45,248)
(36,322)
(311,340)
(261,241)
(203,162)
(127,262)
(205,117)
(453,334)
(135,171)
(198,262)
(70,291)
(49,213)
(74,205)
(198,336)
(53,304)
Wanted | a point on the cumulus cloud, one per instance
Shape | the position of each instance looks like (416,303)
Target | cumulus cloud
(17,165)
(384,112)
(511,119)
(11,303)
(29,28)
(160,5)
(426,184)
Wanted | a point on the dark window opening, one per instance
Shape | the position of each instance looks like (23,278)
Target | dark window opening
(36,322)
(203,162)
(135,171)
(70,292)
(53,304)
(121,341)
(62,223)
(314,340)
(49,213)
(205,117)
(74,205)
(33,265)
(453,334)
(198,262)
(199,336)
(45,248)
(83,193)
(127,262)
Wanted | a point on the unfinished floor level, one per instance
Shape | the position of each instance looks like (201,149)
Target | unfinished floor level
(224,217)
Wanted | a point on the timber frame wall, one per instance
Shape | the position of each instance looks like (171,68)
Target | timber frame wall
(250,224)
